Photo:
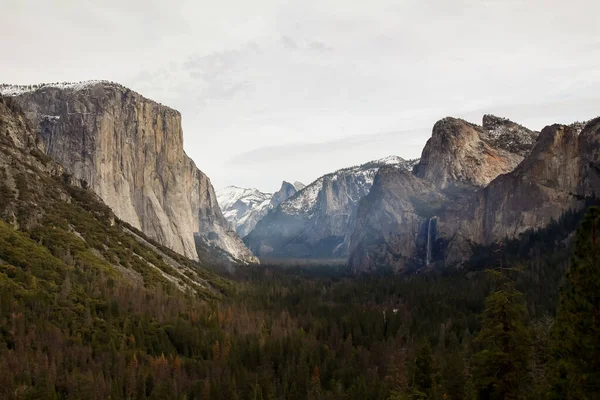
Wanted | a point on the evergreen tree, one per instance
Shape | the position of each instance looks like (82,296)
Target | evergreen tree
(423,373)
(576,334)
(453,371)
(500,367)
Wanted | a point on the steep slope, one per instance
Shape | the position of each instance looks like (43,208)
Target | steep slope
(559,174)
(393,222)
(462,154)
(408,221)
(243,208)
(316,221)
(286,191)
(49,227)
(129,150)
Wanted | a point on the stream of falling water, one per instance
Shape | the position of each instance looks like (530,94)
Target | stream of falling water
(428,253)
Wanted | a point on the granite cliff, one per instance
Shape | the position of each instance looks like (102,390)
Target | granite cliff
(436,214)
(129,150)
(465,155)
(49,218)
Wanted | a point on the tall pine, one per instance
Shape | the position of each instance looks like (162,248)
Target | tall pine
(576,334)
(500,367)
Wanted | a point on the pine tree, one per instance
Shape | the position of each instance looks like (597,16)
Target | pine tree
(500,367)
(422,385)
(453,371)
(576,334)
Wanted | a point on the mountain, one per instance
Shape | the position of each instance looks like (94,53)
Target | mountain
(316,221)
(492,182)
(464,155)
(286,191)
(51,227)
(245,207)
(129,151)
(560,173)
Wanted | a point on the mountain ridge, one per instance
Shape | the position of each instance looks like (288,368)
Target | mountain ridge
(315,222)
(476,201)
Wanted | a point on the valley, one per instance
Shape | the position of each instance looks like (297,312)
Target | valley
(124,274)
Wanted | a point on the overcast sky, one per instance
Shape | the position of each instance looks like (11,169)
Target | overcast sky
(273,90)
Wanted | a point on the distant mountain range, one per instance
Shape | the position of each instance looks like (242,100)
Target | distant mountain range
(243,208)
(316,221)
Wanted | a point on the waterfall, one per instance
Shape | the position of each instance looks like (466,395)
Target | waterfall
(428,252)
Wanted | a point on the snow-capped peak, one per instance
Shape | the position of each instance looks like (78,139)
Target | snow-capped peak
(15,90)
(228,196)
(245,207)
(390,160)
(362,176)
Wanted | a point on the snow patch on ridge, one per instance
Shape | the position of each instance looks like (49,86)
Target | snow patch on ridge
(304,201)
(16,90)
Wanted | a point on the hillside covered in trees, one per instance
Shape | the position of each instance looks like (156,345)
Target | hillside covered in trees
(71,328)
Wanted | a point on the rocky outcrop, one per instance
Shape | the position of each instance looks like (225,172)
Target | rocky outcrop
(395,222)
(317,221)
(425,225)
(286,191)
(437,225)
(38,198)
(129,150)
(464,155)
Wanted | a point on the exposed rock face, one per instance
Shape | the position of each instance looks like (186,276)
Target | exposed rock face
(560,172)
(286,191)
(37,193)
(461,154)
(412,221)
(393,221)
(18,149)
(129,150)
(316,222)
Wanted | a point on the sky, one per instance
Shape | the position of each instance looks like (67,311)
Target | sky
(290,90)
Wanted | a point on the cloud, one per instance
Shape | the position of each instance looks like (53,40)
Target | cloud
(309,77)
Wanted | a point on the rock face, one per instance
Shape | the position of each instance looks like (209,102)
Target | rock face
(316,222)
(408,222)
(286,191)
(436,214)
(462,154)
(129,150)
(393,221)
(38,197)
